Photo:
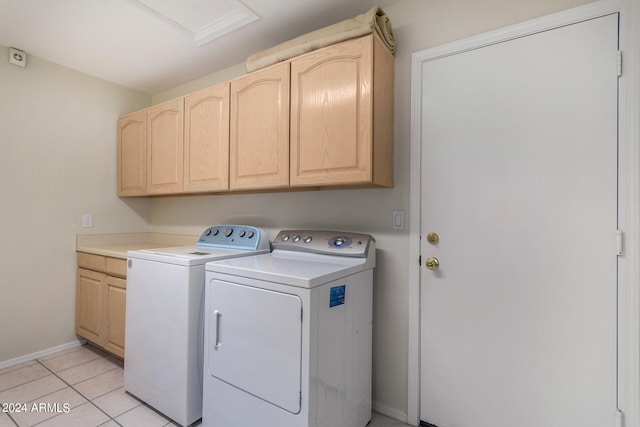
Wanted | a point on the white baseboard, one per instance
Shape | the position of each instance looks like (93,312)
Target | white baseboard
(389,411)
(38,354)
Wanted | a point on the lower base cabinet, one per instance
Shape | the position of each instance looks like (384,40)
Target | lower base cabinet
(100,301)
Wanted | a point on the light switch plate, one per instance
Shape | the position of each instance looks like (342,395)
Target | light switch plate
(398,220)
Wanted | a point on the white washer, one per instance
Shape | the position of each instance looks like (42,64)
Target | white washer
(164,318)
(288,335)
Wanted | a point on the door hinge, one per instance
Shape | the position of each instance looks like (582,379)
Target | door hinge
(301,314)
(619,242)
(619,63)
(619,418)
(301,399)
(419,260)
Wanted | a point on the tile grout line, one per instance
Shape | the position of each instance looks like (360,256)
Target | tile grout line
(71,367)
(85,397)
(13,368)
(142,403)
(31,381)
(107,357)
(12,420)
(27,382)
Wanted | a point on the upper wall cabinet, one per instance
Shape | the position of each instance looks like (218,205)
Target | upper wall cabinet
(206,140)
(259,144)
(322,119)
(165,123)
(132,154)
(342,115)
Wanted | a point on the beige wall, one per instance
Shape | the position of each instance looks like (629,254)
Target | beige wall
(57,162)
(418,25)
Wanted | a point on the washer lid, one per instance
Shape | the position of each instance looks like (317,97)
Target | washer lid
(189,255)
(299,269)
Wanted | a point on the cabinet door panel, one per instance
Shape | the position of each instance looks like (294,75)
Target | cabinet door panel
(164,147)
(331,110)
(114,310)
(259,146)
(132,154)
(206,140)
(90,304)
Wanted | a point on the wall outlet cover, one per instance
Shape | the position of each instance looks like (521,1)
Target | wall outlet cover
(87,220)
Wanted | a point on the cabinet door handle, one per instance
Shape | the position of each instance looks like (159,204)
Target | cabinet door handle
(217,342)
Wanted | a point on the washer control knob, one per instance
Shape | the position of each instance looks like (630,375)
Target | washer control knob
(308,239)
(242,233)
(215,231)
(340,242)
(296,239)
(285,238)
(250,234)
(228,232)
(209,231)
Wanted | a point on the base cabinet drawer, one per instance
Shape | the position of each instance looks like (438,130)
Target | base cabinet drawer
(116,267)
(92,262)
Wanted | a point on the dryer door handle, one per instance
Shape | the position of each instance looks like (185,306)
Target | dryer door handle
(216,342)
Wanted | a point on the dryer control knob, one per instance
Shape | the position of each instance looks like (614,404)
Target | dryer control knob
(242,233)
(228,232)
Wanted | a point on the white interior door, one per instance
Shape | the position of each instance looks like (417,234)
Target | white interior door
(519,180)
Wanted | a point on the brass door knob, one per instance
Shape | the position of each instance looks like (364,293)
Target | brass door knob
(432,263)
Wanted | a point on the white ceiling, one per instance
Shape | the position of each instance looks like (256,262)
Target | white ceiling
(126,42)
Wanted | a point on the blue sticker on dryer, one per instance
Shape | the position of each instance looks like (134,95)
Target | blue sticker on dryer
(336,295)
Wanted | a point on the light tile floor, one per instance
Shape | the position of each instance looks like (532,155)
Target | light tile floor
(82,387)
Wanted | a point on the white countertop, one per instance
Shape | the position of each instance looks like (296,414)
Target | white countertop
(116,245)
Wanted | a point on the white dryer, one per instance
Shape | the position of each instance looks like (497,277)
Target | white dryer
(288,335)
(164,318)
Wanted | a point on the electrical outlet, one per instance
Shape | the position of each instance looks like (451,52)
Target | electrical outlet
(87,220)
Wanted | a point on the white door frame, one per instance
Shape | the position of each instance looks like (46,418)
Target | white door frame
(629,191)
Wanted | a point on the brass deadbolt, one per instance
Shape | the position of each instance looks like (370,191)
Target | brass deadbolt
(433,238)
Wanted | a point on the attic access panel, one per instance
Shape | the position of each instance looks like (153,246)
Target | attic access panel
(202,20)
